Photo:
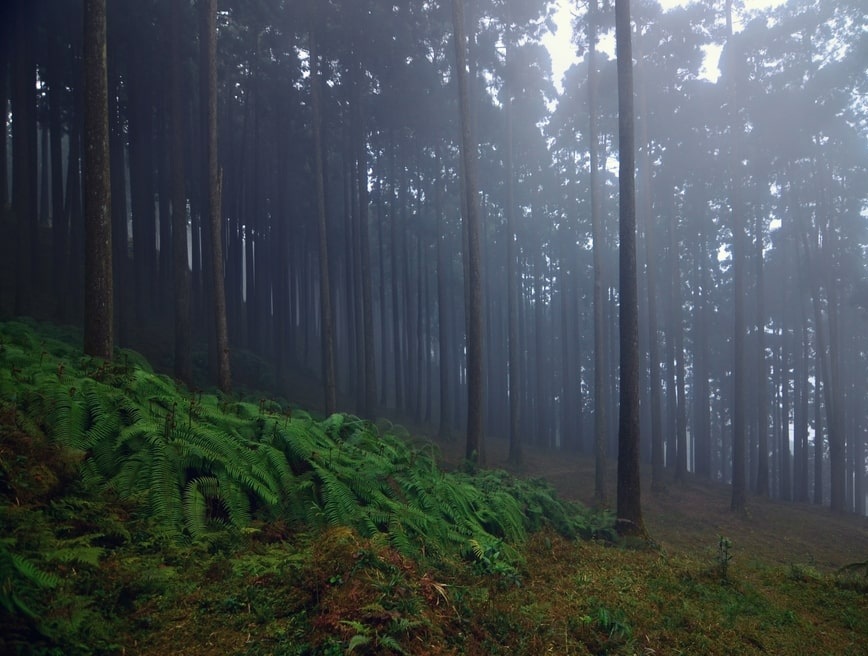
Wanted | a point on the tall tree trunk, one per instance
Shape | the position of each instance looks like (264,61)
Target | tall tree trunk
(601,402)
(784,459)
(473,449)
(819,446)
(762,479)
(59,223)
(629,488)
(98,324)
(328,347)
(701,396)
(74,211)
(651,258)
(800,410)
(181,271)
(24,157)
(739,423)
(514,376)
(444,333)
(677,328)
(215,191)
(394,209)
(370,396)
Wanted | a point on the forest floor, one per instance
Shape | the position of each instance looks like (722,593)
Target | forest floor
(690,516)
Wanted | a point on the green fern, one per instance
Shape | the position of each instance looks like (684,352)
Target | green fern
(21,581)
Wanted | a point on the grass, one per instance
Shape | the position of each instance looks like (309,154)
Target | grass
(97,578)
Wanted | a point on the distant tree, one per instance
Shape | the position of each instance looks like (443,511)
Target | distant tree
(24,154)
(514,374)
(472,221)
(328,348)
(98,313)
(739,422)
(181,270)
(629,489)
(601,431)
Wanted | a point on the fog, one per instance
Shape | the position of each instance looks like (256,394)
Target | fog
(338,147)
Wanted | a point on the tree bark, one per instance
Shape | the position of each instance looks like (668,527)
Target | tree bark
(601,402)
(23,105)
(629,488)
(181,271)
(370,395)
(98,309)
(215,191)
(328,347)
(473,449)
(739,424)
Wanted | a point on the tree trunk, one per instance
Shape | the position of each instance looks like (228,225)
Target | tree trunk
(473,449)
(370,396)
(215,191)
(98,325)
(181,271)
(601,430)
(24,156)
(739,424)
(444,334)
(629,488)
(328,348)
(59,223)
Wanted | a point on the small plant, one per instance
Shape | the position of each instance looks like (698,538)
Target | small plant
(724,555)
(492,559)
(612,623)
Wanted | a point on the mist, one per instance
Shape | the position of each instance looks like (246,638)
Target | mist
(340,209)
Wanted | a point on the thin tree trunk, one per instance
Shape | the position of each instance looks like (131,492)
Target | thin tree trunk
(739,424)
(629,488)
(370,396)
(181,271)
(651,258)
(23,105)
(601,402)
(328,349)
(444,333)
(215,191)
(473,449)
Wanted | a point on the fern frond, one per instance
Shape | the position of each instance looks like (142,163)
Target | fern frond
(339,505)
(196,495)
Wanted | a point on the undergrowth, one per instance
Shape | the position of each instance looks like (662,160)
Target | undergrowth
(204,469)
(140,517)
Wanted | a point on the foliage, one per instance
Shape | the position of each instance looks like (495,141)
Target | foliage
(202,464)
(370,547)
(20,580)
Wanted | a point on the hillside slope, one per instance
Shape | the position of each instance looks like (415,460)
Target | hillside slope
(136,517)
(691,516)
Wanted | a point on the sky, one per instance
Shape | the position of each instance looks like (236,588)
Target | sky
(562,50)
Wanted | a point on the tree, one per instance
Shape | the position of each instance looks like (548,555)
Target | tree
(328,348)
(215,190)
(515,446)
(472,221)
(24,155)
(629,488)
(601,437)
(98,307)
(739,422)
(181,271)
